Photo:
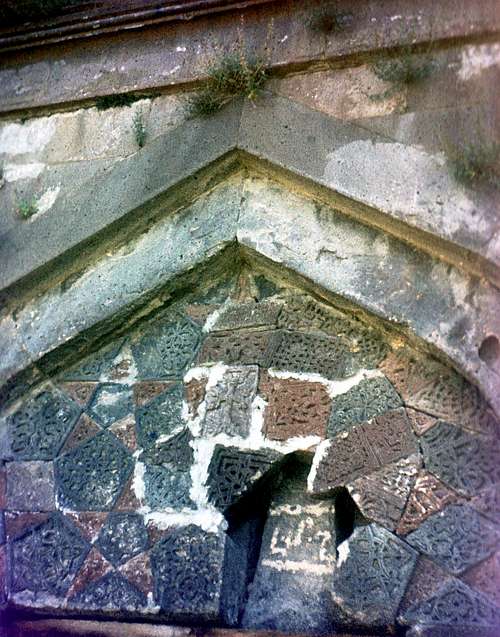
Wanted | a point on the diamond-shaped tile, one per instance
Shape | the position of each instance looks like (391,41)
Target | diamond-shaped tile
(111,592)
(165,488)
(123,536)
(111,402)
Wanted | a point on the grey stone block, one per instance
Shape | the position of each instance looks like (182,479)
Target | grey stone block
(30,486)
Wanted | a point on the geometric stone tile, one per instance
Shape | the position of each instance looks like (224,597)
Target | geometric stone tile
(91,476)
(167,489)
(187,571)
(38,428)
(252,348)
(17,523)
(89,523)
(363,449)
(122,537)
(147,390)
(487,502)
(84,429)
(247,315)
(128,500)
(30,486)
(138,571)
(93,366)
(371,576)
(81,393)
(420,422)
(381,496)
(295,408)
(485,577)
(369,398)
(426,578)
(161,416)
(429,495)
(175,453)
(456,538)
(123,369)
(124,430)
(94,567)
(47,557)
(466,462)
(111,402)
(229,402)
(313,353)
(110,592)
(453,604)
(234,472)
(165,347)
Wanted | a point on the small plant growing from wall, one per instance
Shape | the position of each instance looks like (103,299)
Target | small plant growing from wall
(232,77)
(26,208)
(475,163)
(329,20)
(139,129)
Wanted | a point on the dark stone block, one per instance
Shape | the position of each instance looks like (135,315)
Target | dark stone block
(187,570)
(369,583)
(16,387)
(123,536)
(456,538)
(234,472)
(175,453)
(313,353)
(229,403)
(92,367)
(30,486)
(254,348)
(247,315)
(466,462)
(38,428)
(160,416)
(109,593)
(165,488)
(111,402)
(166,346)
(372,397)
(454,605)
(47,557)
(363,449)
(91,476)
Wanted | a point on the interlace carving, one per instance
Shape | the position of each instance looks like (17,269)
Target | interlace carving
(111,592)
(160,416)
(165,488)
(123,536)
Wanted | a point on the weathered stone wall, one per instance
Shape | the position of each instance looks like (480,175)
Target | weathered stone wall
(249,367)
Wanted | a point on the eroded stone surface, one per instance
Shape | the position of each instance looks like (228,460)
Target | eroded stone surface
(138,571)
(485,577)
(84,429)
(147,390)
(30,486)
(229,403)
(370,582)
(487,502)
(363,449)
(110,592)
(111,402)
(95,365)
(195,394)
(122,537)
(80,392)
(47,557)
(187,571)
(233,472)
(175,453)
(254,348)
(38,428)
(426,578)
(160,416)
(370,398)
(167,488)
(295,408)
(91,476)
(466,462)
(124,430)
(457,538)
(94,567)
(420,422)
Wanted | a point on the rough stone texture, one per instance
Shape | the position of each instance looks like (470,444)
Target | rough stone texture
(363,449)
(94,567)
(92,475)
(165,488)
(160,416)
(81,393)
(110,592)
(122,537)
(420,422)
(17,523)
(485,578)
(369,584)
(111,403)
(382,495)
(84,429)
(94,366)
(147,390)
(426,579)
(428,496)
(295,408)
(138,571)
(487,502)
(228,404)
(233,473)
(47,557)
(187,571)
(89,523)
(165,347)
(366,400)
(247,315)
(124,430)
(195,394)
(30,486)
(464,461)
(38,428)
(457,538)
(253,348)
(454,604)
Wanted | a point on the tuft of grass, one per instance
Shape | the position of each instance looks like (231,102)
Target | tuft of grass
(405,69)
(139,129)
(475,163)
(329,20)
(120,99)
(234,76)
(26,208)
